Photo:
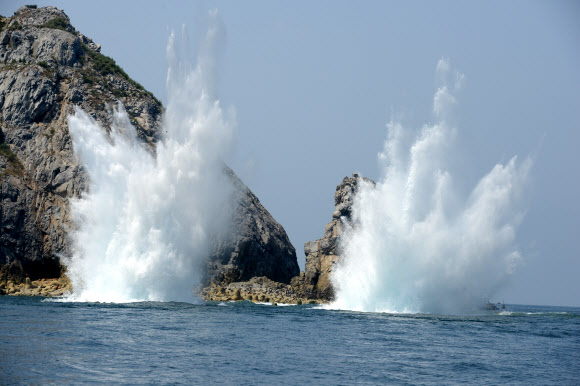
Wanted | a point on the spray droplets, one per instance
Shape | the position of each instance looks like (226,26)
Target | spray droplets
(146,224)
(415,244)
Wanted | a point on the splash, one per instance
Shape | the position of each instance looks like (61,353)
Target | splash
(147,222)
(416,245)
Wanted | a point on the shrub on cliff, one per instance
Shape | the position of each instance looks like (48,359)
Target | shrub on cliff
(8,154)
(56,23)
(14,165)
(15,26)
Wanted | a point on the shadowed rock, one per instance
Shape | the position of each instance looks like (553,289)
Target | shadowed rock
(257,246)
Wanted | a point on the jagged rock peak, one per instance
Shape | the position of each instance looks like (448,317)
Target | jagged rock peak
(257,246)
(323,254)
(30,15)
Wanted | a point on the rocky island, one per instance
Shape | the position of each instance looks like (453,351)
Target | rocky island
(46,68)
(312,285)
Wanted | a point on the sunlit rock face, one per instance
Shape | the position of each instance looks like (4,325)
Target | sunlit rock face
(323,254)
(46,68)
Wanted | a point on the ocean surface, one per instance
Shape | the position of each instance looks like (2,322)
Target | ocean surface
(44,341)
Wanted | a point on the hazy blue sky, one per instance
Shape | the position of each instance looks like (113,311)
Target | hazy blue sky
(314,84)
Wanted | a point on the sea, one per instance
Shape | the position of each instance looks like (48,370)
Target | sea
(47,341)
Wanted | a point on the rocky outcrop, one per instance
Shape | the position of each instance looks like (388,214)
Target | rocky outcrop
(47,68)
(323,254)
(314,283)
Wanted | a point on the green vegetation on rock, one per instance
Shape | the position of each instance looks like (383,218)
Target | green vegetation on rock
(15,166)
(14,26)
(7,153)
(105,65)
(56,23)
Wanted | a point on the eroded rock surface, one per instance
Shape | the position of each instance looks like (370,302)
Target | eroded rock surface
(323,254)
(257,289)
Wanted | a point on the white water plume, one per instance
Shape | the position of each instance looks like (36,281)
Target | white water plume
(146,223)
(416,245)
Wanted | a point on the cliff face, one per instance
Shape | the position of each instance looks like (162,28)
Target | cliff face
(322,254)
(46,68)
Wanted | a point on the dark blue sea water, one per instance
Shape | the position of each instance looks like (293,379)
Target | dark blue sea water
(244,343)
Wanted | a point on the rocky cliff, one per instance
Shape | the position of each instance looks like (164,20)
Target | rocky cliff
(46,68)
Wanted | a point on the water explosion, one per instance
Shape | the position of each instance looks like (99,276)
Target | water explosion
(416,245)
(147,222)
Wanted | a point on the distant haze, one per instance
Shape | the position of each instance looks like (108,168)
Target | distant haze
(313,85)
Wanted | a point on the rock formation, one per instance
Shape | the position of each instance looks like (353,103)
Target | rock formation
(314,283)
(258,245)
(46,68)
(322,254)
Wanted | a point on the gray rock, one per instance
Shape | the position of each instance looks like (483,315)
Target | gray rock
(323,254)
(258,245)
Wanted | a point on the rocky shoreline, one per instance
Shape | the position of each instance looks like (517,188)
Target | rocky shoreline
(47,68)
(314,284)
(49,288)
(259,290)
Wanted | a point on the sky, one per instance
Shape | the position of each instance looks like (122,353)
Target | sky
(313,85)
